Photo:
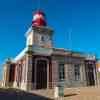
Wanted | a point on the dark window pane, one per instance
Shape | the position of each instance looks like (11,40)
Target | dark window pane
(77,72)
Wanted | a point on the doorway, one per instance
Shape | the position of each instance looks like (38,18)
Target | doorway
(41,74)
(90,75)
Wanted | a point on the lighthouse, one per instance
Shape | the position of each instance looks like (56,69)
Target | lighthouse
(39,34)
(40,65)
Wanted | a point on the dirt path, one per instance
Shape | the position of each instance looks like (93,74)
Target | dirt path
(84,93)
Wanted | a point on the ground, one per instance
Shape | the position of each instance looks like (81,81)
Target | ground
(82,93)
(15,94)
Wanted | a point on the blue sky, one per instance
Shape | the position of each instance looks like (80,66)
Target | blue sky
(76,24)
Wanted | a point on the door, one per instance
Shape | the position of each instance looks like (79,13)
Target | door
(41,80)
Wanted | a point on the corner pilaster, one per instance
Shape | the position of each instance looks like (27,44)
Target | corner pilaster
(54,73)
(28,81)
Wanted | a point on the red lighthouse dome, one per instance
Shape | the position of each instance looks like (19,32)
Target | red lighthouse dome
(38,19)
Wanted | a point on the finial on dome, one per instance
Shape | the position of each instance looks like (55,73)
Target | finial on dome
(39,18)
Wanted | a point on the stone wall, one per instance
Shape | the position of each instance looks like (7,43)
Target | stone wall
(69,63)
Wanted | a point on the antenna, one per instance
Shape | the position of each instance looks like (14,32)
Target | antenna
(38,4)
(69,37)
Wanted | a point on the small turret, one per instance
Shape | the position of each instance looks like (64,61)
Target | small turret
(39,19)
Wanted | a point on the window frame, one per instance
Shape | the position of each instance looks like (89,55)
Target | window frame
(61,72)
(77,72)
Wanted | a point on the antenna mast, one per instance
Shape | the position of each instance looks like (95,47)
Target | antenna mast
(38,4)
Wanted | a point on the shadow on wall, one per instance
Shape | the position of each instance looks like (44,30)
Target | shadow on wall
(15,94)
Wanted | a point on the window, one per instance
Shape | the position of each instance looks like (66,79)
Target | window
(12,73)
(77,72)
(61,72)
(43,38)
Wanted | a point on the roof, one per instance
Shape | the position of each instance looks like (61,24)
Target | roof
(21,54)
(54,51)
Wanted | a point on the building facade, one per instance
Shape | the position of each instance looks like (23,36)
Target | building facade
(41,66)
